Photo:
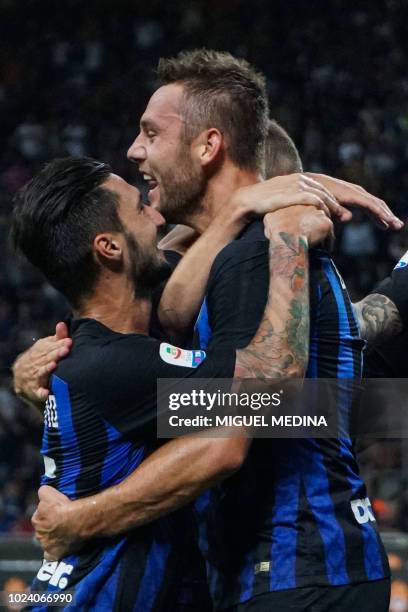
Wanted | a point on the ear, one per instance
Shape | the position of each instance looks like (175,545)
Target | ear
(208,145)
(108,246)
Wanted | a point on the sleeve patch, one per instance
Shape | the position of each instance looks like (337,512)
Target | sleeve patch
(181,357)
(403,262)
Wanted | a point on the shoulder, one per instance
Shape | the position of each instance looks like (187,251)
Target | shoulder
(101,356)
(249,247)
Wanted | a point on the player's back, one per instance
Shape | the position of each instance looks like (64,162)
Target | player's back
(99,424)
(304,516)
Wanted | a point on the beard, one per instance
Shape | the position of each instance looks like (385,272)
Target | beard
(182,189)
(147,268)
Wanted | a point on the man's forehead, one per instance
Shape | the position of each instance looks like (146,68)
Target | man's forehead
(165,103)
(118,185)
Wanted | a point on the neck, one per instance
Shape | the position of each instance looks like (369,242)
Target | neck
(220,188)
(113,303)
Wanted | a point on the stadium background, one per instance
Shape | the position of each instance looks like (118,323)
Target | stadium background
(74,79)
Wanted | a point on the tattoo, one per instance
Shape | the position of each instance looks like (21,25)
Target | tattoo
(280,346)
(378,318)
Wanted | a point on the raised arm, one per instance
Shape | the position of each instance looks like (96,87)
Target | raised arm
(183,295)
(183,468)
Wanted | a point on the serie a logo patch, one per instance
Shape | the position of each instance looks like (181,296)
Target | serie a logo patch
(403,262)
(181,357)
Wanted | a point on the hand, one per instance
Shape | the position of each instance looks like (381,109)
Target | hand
(306,221)
(32,368)
(50,524)
(350,194)
(283,191)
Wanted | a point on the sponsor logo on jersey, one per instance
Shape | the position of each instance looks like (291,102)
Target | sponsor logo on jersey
(55,573)
(50,413)
(181,357)
(403,262)
(50,466)
(362,510)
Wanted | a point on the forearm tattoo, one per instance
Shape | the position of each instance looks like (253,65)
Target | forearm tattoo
(280,346)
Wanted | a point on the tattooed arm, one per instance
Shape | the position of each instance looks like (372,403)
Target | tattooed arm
(279,348)
(379,319)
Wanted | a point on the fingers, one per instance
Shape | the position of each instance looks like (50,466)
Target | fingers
(313,186)
(350,194)
(50,495)
(45,346)
(45,370)
(328,205)
(42,394)
(316,227)
(49,556)
(308,198)
(61,331)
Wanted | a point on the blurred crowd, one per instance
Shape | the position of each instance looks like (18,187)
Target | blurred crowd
(74,80)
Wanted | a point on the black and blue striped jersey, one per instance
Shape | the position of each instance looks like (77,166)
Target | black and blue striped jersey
(297,514)
(99,424)
(389,359)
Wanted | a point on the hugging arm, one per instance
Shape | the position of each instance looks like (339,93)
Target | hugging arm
(181,469)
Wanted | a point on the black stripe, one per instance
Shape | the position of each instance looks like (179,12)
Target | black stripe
(180,526)
(132,569)
(310,546)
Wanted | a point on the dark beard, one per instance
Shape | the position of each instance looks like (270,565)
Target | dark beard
(183,192)
(147,270)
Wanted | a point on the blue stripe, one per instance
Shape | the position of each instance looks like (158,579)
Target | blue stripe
(372,555)
(317,490)
(314,341)
(94,584)
(284,535)
(71,466)
(106,597)
(203,326)
(153,576)
(119,462)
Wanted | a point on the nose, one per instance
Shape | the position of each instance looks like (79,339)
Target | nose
(136,152)
(155,216)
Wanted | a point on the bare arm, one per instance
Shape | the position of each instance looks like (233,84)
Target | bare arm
(168,479)
(378,318)
(280,347)
(185,290)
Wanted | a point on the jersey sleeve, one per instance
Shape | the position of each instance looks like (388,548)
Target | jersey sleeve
(126,387)
(237,292)
(395,287)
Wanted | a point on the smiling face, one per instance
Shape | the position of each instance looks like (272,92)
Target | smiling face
(144,262)
(166,160)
